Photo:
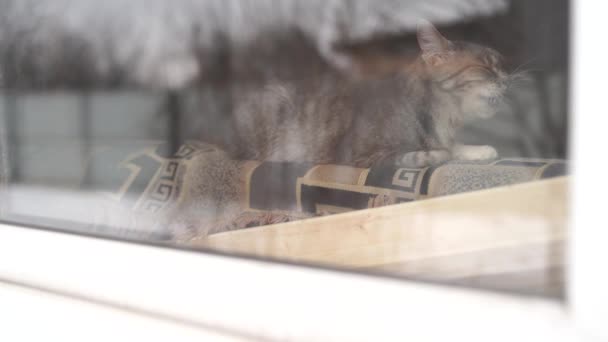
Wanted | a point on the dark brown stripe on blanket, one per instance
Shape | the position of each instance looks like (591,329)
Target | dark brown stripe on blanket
(313,195)
(273,185)
(381,176)
(426,179)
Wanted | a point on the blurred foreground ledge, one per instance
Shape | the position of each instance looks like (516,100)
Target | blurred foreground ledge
(507,238)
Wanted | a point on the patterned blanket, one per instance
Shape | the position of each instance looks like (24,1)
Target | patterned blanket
(198,190)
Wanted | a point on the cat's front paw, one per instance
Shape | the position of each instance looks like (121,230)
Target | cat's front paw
(420,159)
(466,152)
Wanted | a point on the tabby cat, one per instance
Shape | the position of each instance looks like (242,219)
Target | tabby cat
(409,117)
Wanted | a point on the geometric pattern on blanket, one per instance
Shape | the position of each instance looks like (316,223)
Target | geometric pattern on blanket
(158,180)
(323,189)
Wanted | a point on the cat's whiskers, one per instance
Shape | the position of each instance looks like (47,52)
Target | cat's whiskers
(524,64)
(519,77)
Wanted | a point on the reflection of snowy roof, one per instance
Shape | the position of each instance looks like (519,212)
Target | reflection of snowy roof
(386,16)
(153,31)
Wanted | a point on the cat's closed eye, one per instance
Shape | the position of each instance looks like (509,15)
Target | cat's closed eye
(482,72)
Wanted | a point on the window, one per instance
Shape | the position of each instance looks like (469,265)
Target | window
(348,136)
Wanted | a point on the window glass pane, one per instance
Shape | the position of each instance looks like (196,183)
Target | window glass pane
(417,139)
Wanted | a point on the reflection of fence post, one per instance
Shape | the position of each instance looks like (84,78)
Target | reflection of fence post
(84,105)
(4,158)
(174,117)
(10,154)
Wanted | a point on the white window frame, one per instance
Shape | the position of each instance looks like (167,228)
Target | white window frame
(587,278)
(274,302)
(168,292)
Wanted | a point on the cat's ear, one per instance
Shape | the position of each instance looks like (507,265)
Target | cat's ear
(435,47)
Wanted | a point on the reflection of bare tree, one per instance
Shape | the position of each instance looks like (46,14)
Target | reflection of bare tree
(545,45)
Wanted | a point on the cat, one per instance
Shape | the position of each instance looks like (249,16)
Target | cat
(409,117)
